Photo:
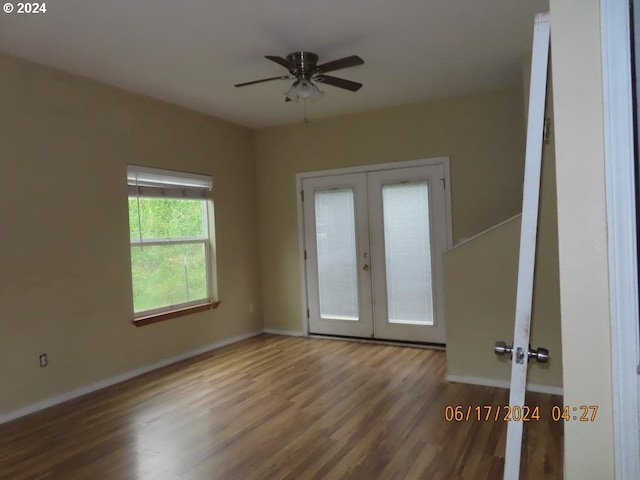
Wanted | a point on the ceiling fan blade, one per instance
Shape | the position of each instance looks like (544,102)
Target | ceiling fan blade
(282,77)
(345,62)
(279,60)
(339,82)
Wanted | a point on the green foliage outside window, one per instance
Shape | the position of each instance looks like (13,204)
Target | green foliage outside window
(169,274)
(166,218)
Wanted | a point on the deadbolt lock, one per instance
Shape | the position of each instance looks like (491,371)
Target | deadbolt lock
(541,355)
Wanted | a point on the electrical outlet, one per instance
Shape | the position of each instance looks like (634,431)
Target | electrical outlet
(44,360)
(252,308)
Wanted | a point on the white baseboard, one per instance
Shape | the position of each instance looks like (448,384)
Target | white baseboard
(21,412)
(289,333)
(492,382)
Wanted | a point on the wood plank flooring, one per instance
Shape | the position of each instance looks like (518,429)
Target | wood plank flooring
(276,407)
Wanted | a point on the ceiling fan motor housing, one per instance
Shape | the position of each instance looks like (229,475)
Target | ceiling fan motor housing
(303,64)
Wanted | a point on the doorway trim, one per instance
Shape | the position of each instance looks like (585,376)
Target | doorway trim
(621,215)
(444,161)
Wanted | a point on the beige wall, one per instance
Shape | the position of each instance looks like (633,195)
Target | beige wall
(482,134)
(64,251)
(480,280)
(582,233)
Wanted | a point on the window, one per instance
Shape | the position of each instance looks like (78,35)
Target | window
(170,245)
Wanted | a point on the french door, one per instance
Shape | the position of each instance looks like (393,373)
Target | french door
(373,246)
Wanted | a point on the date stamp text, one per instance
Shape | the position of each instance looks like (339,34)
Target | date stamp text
(519,413)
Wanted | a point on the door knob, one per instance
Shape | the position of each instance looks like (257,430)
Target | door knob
(501,348)
(541,355)
(365,268)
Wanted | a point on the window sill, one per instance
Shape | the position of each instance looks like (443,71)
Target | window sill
(161,317)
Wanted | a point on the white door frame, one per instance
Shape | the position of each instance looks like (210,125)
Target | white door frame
(621,220)
(361,169)
(436,202)
(363,325)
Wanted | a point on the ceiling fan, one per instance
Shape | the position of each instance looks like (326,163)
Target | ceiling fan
(304,71)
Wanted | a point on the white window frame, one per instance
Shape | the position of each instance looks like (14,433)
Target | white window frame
(146,182)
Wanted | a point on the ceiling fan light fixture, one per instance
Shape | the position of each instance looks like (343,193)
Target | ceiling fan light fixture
(316,95)
(292,94)
(304,89)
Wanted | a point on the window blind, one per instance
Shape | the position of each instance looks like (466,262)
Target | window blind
(156,182)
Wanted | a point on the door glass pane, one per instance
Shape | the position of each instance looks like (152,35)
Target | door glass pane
(337,263)
(408,253)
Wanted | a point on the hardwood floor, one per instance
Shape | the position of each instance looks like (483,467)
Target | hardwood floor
(278,407)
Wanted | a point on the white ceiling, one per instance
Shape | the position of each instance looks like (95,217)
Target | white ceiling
(192,52)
